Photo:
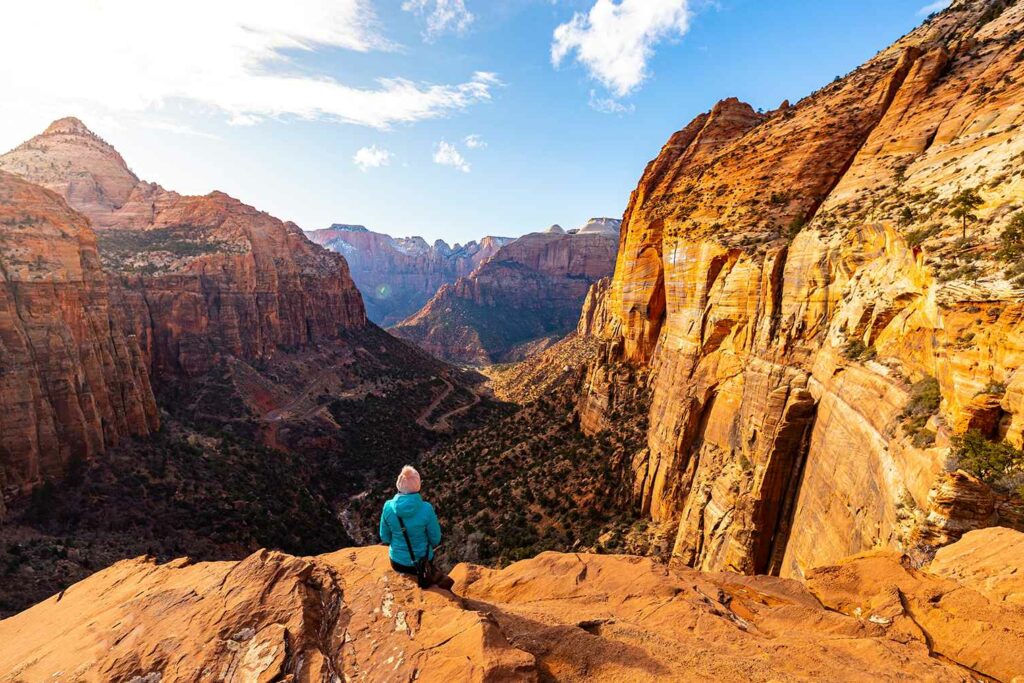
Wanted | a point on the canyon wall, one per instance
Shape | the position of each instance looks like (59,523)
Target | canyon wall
(398,275)
(198,277)
(789,278)
(142,284)
(73,379)
(521,299)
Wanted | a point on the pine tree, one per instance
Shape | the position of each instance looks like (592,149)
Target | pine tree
(964,204)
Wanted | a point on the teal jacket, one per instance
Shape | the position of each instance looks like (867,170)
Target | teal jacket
(420,521)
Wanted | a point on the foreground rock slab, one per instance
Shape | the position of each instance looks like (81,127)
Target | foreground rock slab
(989,561)
(969,621)
(270,617)
(563,617)
(618,618)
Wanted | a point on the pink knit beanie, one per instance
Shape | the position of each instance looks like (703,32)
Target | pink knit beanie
(408,480)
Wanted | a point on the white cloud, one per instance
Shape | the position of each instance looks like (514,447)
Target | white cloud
(371,157)
(475,141)
(446,154)
(442,16)
(237,57)
(609,105)
(178,128)
(934,7)
(615,40)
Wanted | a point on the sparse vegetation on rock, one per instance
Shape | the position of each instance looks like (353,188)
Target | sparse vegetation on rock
(996,463)
(964,204)
(925,398)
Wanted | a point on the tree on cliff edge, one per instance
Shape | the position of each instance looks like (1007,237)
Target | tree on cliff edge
(964,204)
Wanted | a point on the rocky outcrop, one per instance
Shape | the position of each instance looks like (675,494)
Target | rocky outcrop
(200,278)
(269,617)
(72,377)
(560,617)
(786,278)
(959,620)
(587,617)
(398,275)
(987,561)
(530,290)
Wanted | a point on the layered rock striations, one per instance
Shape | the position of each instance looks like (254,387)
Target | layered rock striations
(78,165)
(266,618)
(200,278)
(792,280)
(73,379)
(559,617)
(397,276)
(525,296)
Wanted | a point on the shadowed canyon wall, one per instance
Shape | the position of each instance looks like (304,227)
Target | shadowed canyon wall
(787,277)
(72,377)
(159,285)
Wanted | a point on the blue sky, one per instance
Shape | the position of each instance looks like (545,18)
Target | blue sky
(279,116)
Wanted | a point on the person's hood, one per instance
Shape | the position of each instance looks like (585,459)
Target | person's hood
(407,504)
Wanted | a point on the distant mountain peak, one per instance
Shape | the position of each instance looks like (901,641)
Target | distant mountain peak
(351,227)
(601,225)
(71,160)
(69,125)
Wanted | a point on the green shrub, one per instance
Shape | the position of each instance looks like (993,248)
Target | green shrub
(795,226)
(906,216)
(925,398)
(1011,241)
(856,349)
(917,237)
(899,173)
(994,389)
(991,461)
(922,438)
(967,271)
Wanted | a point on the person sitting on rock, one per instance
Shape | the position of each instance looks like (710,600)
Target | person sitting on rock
(409,526)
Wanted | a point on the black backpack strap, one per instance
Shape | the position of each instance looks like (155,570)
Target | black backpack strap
(408,543)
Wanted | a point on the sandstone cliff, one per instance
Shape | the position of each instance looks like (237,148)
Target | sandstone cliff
(795,282)
(523,298)
(199,277)
(72,377)
(396,276)
(561,617)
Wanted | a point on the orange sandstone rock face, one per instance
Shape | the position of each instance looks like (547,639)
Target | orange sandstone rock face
(526,294)
(259,286)
(962,617)
(588,617)
(269,617)
(397,276)
(72,377)
(561,617)
(986,560)
(199,277)
(757,251)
